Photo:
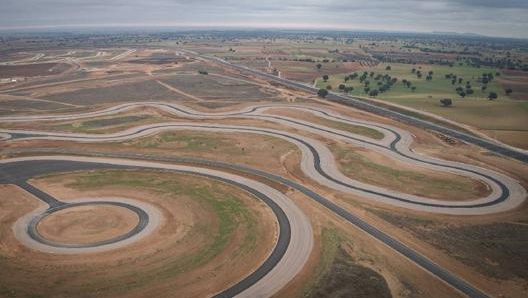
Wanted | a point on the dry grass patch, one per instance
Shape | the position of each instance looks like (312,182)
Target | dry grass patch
(377,169)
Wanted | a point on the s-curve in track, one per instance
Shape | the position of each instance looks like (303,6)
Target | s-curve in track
(318,163)
(295,237)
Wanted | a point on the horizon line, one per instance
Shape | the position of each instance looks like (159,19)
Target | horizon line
(198,27)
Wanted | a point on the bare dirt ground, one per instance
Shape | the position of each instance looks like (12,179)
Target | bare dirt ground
(515,80)
(32,70)
(87,224)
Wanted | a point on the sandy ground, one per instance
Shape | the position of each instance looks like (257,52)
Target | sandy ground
(87,224)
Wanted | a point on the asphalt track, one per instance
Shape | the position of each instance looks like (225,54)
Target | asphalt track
(287,258)
(425,263)
(318,162)
(56,164)
(35,235)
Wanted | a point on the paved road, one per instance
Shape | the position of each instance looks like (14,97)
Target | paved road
(318,162)
(414,256)
(295,236)
(360,104)
(143,221)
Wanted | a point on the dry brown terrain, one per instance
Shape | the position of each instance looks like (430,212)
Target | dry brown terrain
(87,224)
(32,70)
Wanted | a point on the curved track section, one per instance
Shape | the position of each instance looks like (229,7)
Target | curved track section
(64,163)
(140,212)
(318,163)
(27,233)
(295,237)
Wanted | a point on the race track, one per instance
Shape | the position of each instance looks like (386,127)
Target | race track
(317,162)
(295,236)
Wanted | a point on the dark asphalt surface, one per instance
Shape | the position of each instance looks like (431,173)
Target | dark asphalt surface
(411,254)
(503,189)
(18,172)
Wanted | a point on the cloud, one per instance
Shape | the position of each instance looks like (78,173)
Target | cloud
(480,16)
(484,4)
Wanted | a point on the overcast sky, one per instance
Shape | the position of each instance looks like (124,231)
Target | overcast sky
(490,17)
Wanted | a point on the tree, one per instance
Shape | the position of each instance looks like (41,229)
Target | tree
(508,91)
(328,87)
(462,94)
(388,67)
(319,65)
(374,93)
(446,102)
(413,70)
(413,88)
(492,95)
(325,78)
(346,79)
(342,87)
(322,93)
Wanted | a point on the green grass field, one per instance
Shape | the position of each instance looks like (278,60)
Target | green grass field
(502,114)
